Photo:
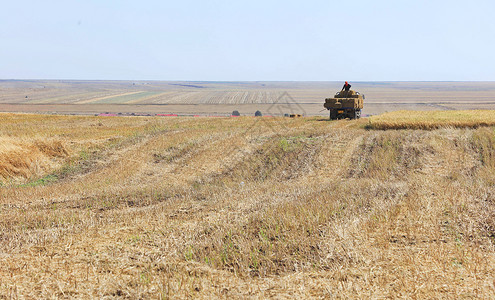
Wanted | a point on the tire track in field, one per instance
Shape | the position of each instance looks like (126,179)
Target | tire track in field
(205,157)
(330,161)
(173,166)
(336,154)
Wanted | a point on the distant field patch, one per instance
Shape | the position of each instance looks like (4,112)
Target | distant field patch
(432,119)
(126,98)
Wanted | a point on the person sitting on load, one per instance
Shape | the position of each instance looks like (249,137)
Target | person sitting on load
(346,86)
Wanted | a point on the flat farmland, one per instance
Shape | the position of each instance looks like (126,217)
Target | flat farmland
(146,207)
(273,98)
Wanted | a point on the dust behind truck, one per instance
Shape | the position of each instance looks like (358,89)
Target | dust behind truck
(345,104)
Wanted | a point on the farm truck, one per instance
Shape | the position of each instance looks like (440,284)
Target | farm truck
(345,104)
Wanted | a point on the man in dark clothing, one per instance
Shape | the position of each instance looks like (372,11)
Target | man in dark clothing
(346,86)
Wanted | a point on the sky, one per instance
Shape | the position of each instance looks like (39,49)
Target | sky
(312,40)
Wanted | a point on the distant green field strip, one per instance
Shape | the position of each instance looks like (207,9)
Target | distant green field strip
(127,98)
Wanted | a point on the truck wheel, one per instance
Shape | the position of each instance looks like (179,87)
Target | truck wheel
(352,115)
(333,114)
(357,114)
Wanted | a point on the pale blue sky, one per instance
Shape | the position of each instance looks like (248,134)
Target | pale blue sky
(248,40)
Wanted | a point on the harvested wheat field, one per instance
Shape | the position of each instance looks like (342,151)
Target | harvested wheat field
(432,119)
(148,207)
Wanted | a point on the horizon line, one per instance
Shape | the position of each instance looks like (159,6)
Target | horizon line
(233,81)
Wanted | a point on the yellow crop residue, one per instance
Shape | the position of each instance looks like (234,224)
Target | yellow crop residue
(245,207)
(433,119)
